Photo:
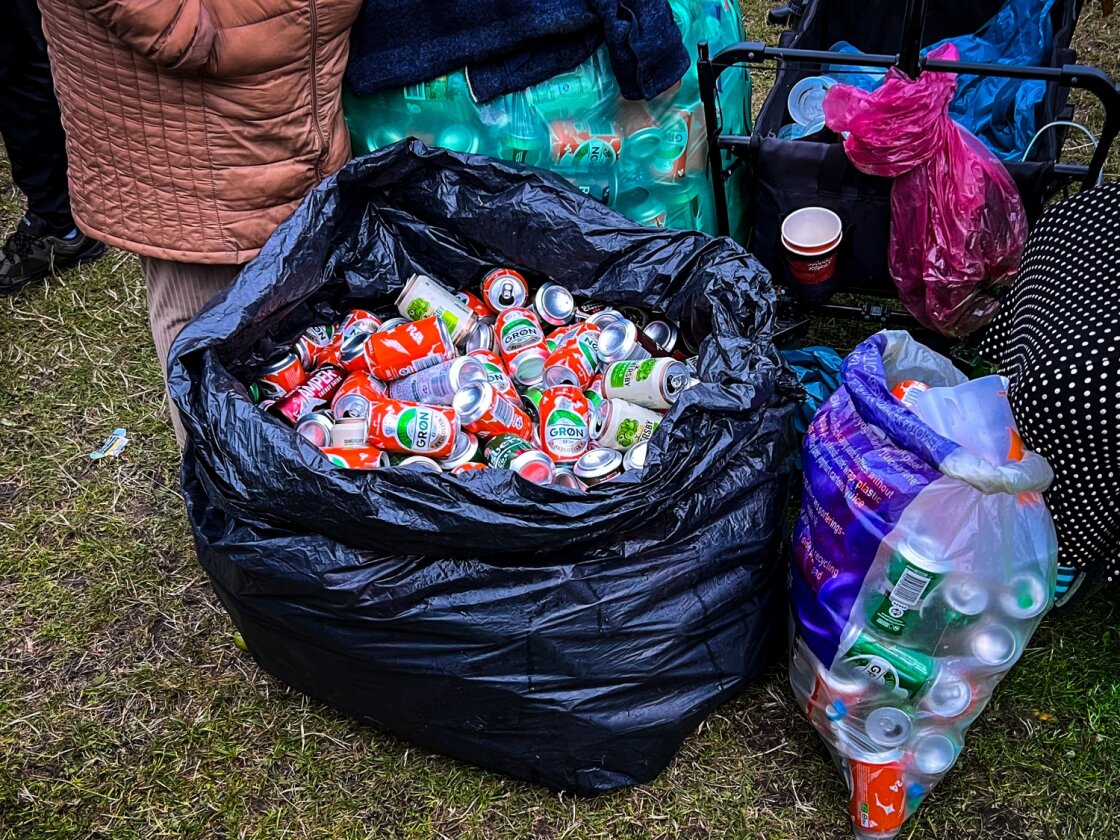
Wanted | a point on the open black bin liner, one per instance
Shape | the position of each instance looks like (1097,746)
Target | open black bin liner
(571,640)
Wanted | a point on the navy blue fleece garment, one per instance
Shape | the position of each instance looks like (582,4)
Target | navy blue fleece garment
(508,45)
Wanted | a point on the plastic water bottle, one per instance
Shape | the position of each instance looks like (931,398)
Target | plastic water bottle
(524,138)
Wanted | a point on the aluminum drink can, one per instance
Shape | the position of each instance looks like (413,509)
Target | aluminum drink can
(475,303)
(392,323)
(878,796)
(350,433)
(411,429)
(582,145)
(935,751)
(468,467)
(356,394)
(555,338)
(504,288)
(1025,595)
(316,427)
(651,383)
(359,320)
(481,338)
(364,458)
(281,375)
(437,385)
(605,317)
(994,646)
(594,393)
(622,341)
(416,463)
(598,466)
(573,363)
(497,375)
(254,392)
(662,333)
(586,308)
(635,457)
(956,603)
(904,672)
(423,297)
(411,347)
(618,424)
(309,396)
(640,317)
(554,304)
(312,345)
(531,400)
(521,343)
(509,452)
(466,451)
(889,726)
(911,574)
(565,416)
(482,411)
(566,478)
(950,695)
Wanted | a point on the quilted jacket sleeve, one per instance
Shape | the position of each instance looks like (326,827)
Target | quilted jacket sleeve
(177,34)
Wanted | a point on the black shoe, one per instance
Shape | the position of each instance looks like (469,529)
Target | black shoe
(785,15)
(31,253)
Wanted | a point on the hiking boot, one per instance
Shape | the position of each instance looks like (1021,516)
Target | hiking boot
(32,252)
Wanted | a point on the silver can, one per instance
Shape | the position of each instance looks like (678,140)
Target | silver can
(350,432)
(935,751)
(995,646)
(534,466)
(662,333)
(888,726)
(466,449)
(596,466)
(618,424)
(316,427)
(950,695)
(554,304)
(622,341)
(438,385)
(635,457)
(423,297)
(527,367)
(566,478)
(605,317)
(1026,595)
(651,383)
(481,338)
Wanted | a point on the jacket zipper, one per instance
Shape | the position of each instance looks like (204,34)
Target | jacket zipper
(315,89)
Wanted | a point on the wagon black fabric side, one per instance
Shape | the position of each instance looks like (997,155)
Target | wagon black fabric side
(570,639)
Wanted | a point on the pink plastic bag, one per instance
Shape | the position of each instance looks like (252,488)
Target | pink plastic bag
(957,223)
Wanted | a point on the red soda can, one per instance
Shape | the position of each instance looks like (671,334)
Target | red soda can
(878,795)
(470,466)
(522,345)
(497,374)
(407,348)
(356,458)
(475,303)
(582,145)
(565,423)
(282,375)
(412,428)
(482,410)
(575,364)
(504,288)
(357,393)
(311,346)
(309,396)
(359,320)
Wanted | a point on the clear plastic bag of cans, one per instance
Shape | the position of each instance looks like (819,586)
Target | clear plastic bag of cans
(645,159)
(924,558)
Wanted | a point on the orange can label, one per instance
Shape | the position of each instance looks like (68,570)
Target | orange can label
(413,429)
(878,796)
(403,350)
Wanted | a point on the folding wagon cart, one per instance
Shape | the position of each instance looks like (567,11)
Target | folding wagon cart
(782,175)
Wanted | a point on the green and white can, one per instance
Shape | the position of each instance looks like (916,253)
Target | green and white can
(911,575)
(903,671)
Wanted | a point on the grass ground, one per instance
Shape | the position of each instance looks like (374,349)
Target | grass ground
(127,712)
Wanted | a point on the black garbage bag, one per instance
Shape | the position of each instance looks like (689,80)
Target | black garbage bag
(573,640)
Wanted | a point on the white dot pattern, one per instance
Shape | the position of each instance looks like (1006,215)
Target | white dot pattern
(1058,341)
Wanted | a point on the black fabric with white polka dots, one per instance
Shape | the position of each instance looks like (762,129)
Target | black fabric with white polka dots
(1058,341)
